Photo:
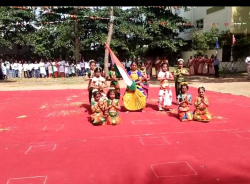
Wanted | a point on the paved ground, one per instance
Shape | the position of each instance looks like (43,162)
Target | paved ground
(233,84)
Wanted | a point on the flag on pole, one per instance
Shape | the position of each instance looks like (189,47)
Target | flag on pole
(127,79)
(217,44)
(233,40)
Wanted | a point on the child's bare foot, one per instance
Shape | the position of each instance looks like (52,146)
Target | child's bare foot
(161,109)
(184,120)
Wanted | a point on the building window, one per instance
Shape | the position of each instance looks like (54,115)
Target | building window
(199,24)
(177,11)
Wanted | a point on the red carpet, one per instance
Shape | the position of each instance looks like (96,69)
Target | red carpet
(46,139)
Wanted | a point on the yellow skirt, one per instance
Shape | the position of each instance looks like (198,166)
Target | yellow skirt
(134,100)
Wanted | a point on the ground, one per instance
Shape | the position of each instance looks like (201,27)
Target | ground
(46,138)
(234,84)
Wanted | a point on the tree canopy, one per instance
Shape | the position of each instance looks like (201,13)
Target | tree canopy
(55,31)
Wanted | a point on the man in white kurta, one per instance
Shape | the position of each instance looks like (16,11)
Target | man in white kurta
(247,61)
(42,69)
(20,69)
(66,69)
(25,69)
(61,68)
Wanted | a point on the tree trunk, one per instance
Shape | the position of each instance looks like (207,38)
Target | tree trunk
(77,41)
(110,31)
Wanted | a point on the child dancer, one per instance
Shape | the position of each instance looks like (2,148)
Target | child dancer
(145,78)
(184,100)
(201,104)
(112,75)
(89,75)
(165,93)
(179,73)
(112,108)
(97,109)
(98,82)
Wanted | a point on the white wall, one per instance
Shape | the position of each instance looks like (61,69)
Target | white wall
(187,15)
(220,17)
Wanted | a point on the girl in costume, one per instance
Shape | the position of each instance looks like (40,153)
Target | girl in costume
(145,78)
(184,100)
(165,93)
(89,76)
(97,109)
(98,82)
(134,97)
(114,83)
(179,74)
(201,104)
(112,108)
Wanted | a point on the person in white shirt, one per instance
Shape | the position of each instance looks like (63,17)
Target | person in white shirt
(42,69)
(36,68)
(66,69)
(82,65)
(247,61)
(128,63)
(61,68)
(31,69)
(20,69)
(25,69)
(7,68)
(46,65)
(4,70)
(12,69)
(55,68)
(15,68)
(50,69)
(78,69)
(72,68)
(86,66)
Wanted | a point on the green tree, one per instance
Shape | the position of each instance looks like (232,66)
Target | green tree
(15,25)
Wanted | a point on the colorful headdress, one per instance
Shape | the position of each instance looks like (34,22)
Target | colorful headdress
(180,60)
(183,83)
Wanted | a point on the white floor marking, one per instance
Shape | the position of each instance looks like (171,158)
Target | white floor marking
(236,133)
(154,138)
(45,178)
(57,127)
(143,120)
(40,146)
(243,105)
(152,167)
(146,121)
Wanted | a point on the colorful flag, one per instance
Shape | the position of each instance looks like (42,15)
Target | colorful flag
(217,44)
(233,41)
(127,79)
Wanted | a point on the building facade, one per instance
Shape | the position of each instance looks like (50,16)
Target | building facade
(235,19)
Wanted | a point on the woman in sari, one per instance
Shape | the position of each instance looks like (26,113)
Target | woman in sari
(184,100)
(210,66)
(190,65)
(201,104)
(135,98)
(205,66)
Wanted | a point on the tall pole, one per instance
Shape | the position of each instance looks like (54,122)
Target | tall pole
(77,41)
(110,32)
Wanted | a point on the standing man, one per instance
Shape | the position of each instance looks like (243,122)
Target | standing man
(247,61)
(216,64)
(82,65)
